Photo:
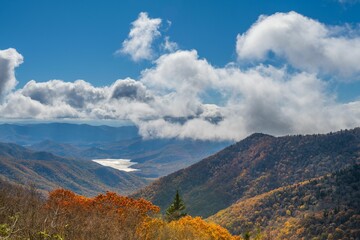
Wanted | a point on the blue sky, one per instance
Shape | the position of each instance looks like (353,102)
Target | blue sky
(70,40)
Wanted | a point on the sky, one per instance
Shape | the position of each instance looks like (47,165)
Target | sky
(217,70)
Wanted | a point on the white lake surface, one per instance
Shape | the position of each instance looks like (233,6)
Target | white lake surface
(119,164)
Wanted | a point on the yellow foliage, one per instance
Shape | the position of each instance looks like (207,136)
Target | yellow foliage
(288,229)
(185,228)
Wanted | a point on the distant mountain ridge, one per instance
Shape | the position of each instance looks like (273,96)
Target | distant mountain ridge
(48,171)
(253,166)
(27,134)
(155,157)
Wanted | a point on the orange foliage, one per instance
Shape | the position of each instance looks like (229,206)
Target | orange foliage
(66,215)
(69,201)
(106,216)
(110,216)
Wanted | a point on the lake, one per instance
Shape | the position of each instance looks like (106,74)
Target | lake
(119,164)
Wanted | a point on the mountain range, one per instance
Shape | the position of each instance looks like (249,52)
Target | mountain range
(47,171)
(27,134)
(253,166)
(154,157)
(289,187)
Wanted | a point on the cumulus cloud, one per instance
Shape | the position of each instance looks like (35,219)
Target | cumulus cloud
(19,106)
(304,43)
(260,99)
(171,98)
(142,34)
(130,89)
(76,94)
(168,101)
(9,60)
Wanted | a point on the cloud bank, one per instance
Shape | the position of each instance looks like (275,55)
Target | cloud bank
(185,96)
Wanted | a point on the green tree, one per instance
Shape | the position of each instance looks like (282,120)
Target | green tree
(175,211)
(247,235)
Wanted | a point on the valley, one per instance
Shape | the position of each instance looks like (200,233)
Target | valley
(154,157)
(273,187)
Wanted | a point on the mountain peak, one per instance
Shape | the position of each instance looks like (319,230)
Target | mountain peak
(258,135)
(255,165)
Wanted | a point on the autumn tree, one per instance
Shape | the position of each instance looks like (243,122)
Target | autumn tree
(185,228)
(175,211)
(25,214)
(106,216)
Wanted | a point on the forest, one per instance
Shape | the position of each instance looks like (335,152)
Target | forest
(322,208)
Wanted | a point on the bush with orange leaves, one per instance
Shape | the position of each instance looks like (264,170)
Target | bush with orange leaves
(186,228)
(106,216)
(66,215)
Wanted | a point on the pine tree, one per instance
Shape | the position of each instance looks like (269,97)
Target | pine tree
(175,211)
(247,235)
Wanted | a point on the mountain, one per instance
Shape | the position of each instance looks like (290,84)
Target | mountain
(160,157)
(253,166)
(47,171)
(155,157)
(61,149)
(327,207)
(64,133)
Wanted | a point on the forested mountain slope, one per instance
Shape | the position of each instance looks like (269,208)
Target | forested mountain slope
(327,207)
(253,166)
(47,171)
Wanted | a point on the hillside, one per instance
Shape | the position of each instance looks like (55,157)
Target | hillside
(47,171)
(155,157)
(253,166)
(327,207)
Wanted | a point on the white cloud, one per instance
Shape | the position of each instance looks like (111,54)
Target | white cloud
(19,106)
(170,99)
(169,45)
(9,60)
(130,89)
(260,99)
(142,34)
(77,94)
(167,101)
(304,43)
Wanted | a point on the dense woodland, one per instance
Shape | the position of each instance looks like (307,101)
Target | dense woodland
(26,214)
(255,165)
(327,207)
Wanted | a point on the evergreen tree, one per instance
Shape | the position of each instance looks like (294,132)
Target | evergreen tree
(175,211)
(247,235)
